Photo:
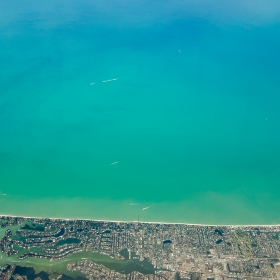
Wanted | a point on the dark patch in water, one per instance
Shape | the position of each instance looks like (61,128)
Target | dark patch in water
(219,232)
(29,272)
(33,227)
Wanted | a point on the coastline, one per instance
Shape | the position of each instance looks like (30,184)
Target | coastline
(143,222)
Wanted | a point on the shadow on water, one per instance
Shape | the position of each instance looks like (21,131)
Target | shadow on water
(30,274)
(33,227)
(126,266)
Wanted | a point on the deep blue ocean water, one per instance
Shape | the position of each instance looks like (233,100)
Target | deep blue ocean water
(108,108)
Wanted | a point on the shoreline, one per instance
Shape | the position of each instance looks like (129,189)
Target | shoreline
(164,223)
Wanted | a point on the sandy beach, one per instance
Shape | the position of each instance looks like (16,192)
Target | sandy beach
(120,221)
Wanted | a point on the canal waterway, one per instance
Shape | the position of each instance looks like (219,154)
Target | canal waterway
(60,266)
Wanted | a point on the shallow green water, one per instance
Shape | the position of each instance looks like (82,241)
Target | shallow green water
(60,266)
(185,98)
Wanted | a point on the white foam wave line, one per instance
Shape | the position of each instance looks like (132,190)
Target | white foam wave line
(111,80)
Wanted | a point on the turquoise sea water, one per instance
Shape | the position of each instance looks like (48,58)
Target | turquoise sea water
(184,96)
